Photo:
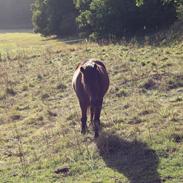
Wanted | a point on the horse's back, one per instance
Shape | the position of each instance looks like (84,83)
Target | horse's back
(78,83)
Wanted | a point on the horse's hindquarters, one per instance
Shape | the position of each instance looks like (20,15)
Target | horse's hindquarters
(91,82)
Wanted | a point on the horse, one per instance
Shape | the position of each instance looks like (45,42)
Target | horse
(90,83)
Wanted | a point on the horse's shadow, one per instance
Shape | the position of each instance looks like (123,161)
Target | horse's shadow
(135,160)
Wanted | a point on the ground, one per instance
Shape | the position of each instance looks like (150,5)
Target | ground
(142,119)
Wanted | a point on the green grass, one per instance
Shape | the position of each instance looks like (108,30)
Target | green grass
(142,118)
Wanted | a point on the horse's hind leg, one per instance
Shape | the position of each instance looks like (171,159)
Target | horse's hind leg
(91,115)
(98,109)
(84,107)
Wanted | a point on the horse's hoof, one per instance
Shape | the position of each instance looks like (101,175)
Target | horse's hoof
(83,131)
(96,135)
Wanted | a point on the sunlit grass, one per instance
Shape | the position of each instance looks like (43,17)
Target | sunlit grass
(142,139)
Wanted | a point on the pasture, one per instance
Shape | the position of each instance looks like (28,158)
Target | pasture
(142,116)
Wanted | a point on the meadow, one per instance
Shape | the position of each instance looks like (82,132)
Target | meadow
(142,117)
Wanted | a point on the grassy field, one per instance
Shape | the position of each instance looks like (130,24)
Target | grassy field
(142,117)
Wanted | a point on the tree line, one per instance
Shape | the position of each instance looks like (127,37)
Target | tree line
(103,18)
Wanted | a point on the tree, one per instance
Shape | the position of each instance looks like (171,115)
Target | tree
(177,2)
(102,18)
(117,18)
(54,17)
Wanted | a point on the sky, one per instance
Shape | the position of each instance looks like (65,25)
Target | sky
(15,14)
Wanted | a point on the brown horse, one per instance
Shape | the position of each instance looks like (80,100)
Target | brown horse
(90,82)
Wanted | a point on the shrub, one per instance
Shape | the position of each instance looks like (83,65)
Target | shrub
(117,18)
(54,17)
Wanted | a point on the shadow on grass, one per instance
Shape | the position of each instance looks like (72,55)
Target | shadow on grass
(135,159)
(66,40)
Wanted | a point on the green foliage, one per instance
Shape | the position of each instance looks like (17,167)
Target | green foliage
(140,2)
(177,3)
(109,18)
(102,18)
(54,17)
(39,14)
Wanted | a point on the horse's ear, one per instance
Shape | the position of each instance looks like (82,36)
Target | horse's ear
(82,69)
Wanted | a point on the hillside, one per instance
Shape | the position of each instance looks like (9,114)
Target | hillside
(142,118)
